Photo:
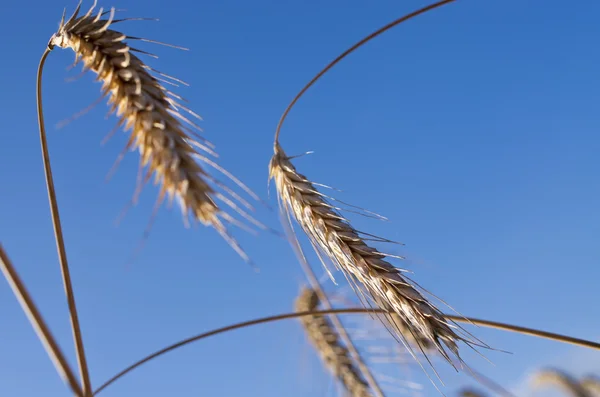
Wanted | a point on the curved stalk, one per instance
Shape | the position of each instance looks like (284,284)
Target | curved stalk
(348,52)
(279,317)
(58,236)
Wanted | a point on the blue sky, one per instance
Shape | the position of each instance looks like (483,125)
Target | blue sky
(474,129)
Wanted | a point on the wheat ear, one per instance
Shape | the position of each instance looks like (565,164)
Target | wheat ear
(562,380)
(166,139)
(366,267)
(324,338)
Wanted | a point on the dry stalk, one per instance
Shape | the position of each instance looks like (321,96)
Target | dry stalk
(473,321)
(365,267)
(561,379)
(39,324)
(325,339)
(165,137)
(60,243)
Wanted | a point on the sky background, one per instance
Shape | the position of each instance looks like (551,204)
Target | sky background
(473,128)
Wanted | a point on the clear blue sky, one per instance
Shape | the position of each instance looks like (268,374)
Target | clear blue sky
(473,128)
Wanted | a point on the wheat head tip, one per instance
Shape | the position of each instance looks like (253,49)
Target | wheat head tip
(167,139)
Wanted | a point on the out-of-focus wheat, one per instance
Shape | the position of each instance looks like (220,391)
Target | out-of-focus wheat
(561,379)
(326,341)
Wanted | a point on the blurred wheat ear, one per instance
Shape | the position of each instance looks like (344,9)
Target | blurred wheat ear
(326,341)
(562,380)
(162,129)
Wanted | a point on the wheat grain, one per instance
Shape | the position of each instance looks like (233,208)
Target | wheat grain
(166,139)
(326,341)
(364,266)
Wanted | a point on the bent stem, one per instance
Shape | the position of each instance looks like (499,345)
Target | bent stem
(58,236)
(348,52)
(38,324)
(279,317)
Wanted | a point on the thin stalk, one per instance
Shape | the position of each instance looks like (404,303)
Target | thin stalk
(350,50)
(341,330)
(38,324)
(58,236)
(279,317)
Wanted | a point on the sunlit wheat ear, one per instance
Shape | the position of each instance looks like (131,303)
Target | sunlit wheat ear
(166,139)
(554,377)
(326,341)
(334,238)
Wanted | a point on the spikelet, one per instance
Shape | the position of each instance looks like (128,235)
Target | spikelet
(334,237)
(166,139)
(561,379)
(326,341)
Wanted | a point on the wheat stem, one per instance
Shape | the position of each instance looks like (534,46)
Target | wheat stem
(348,52)
(39,325)
(58,236)
(280,317)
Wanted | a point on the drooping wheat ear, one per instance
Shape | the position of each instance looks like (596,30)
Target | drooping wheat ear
(166,139)
(365,267)
(591,384)
(561,379)
(326,341)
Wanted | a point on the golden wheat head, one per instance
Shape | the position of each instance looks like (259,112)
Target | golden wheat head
(366,268)
(166,139)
